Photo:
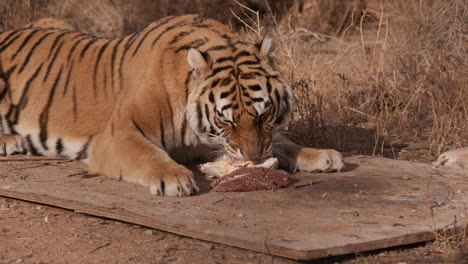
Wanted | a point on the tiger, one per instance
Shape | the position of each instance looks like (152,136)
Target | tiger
(136,108)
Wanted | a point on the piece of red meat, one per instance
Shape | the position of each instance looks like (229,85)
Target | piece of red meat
(251,179)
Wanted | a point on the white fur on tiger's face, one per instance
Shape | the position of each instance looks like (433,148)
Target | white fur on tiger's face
(131,107)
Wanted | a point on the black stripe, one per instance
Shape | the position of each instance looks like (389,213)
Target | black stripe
(4,45)
(104,87)
(226,94)
(122,58)
(211,97)
(219,69)
(96,65)
(241,54)
(59,146)
(269,88)
(194,44)
(248,62)
(238,42)
(30,146)
(223,59)
(9,43)
(180,35)
(257,99)
(51,63)
(10,71)
(183,130)
(286,103)
(139,128)
(163,187)
(161,127)
(218,47)
(75,104)
(54,44)
(25,41)
(199,116)
(12,111)
(176,25)
(75,45)
(228,106)
(277,97)
(11,34)
(83,153)
(4,92)
(207,113)
(163,22)
(2,128)
(217,120)
(215,82)
(255,87)
(259,68)
(248,76)
(198,19)
(226,81)
(171,114)
(130,41)
(112,128)
(44,116)
(23,99)
(67,82)
(83,51)
(186,83)
(113,57)
(31,51)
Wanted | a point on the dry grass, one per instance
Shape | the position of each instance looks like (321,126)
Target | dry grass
(398,75)
(368,75)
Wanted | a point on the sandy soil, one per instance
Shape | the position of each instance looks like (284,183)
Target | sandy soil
(32,233)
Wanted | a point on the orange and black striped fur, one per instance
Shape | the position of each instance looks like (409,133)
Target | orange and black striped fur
(130,106)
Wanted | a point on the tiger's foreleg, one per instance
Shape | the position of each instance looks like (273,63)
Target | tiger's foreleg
(294,157)
(11,144)
(133,158)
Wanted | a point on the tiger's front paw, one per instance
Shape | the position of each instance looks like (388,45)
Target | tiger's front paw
(319,160)
(11,144)
(174,180)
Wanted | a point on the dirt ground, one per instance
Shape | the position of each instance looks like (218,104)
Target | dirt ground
(33,233)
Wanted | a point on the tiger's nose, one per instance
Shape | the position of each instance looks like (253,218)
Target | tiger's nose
(252,157)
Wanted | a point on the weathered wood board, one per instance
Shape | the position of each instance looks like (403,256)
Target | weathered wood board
(378,203)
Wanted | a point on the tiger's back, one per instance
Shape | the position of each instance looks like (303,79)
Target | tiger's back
(62,86)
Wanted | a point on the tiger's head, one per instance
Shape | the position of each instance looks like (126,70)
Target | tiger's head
(239,101)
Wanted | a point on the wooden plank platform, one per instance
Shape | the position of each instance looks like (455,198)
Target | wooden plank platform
(378,203)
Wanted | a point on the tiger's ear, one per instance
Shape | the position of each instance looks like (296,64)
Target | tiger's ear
(266,46)
(196,60)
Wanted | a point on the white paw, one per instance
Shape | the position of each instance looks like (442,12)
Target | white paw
(319,160)
(456,158)
(11,144)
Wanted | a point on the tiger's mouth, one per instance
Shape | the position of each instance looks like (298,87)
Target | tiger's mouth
(235,161)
